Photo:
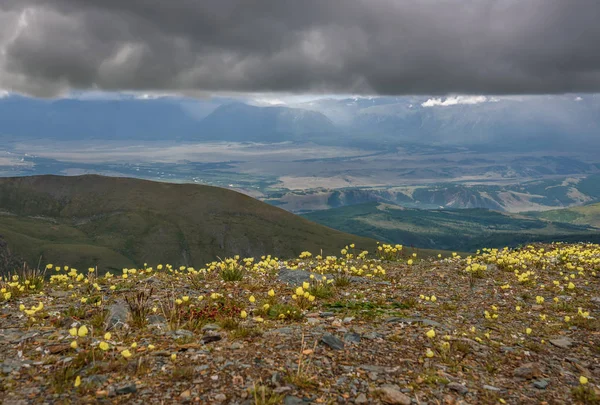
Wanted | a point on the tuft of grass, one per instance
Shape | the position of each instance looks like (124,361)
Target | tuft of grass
(196,280)
(303,377)
(139,307)
(341,280)
(590,324)
(584,394)
(229,323)
(281,311)
(243,332)
(263,395)
(232,273)
(183,373)
(98,319)
(63,378)
(76,312)
(321,290)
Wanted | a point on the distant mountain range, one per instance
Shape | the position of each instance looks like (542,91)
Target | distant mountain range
(542,123)
(500,123)
(119,222)
(156,119)
(526,196)
(242,123)
(452,229)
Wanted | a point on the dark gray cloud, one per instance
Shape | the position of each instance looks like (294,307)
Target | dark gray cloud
(332,46)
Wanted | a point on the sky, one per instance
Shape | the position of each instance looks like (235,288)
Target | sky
(475,48)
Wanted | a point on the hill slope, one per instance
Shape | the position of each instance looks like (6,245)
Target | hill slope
(584,215)
(465,229)
(120,222)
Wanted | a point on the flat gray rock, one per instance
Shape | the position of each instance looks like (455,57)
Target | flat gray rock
(352,337)
(295,277)
(456,387)
(394,397)
(332,341)
(118,314)
(563,342)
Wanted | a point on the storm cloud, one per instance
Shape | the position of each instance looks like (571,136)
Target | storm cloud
(49,47)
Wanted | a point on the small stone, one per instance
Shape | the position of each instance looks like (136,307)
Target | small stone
(348,319)
(57,349)
(491,388)
(236,346)
(541,384)
(528,371)
(372,336)
(126,389)
(352,337)
(562,342)
(377,369)
(332,341)
(96,379)
(179,333)
(361,399)
(117,315)
(9,366)
(281,390)
(326,314)
(295,277)
(220,397)
(210,338)
(211,326)
(461,389)
(185,394)
(393,397)
(290,400)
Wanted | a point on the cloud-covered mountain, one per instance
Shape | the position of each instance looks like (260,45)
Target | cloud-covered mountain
(242,122)
(549,123)
(523,123)
(166,118)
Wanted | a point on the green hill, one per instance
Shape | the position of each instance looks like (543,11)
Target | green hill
(120,222)
(584,215)
(453,229)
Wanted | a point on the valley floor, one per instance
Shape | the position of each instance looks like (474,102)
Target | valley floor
(503,326)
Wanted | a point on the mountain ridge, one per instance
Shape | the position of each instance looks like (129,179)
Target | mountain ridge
(118,222)
(449,229)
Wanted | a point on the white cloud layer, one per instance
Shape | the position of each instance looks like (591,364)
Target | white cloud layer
(456,100)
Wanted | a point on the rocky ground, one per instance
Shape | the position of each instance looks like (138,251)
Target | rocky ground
(504,326)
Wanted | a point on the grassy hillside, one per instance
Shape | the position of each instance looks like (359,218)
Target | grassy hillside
(466,229)
(585,215)
(121,222)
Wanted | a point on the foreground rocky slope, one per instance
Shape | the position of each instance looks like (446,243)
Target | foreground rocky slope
(502,326)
